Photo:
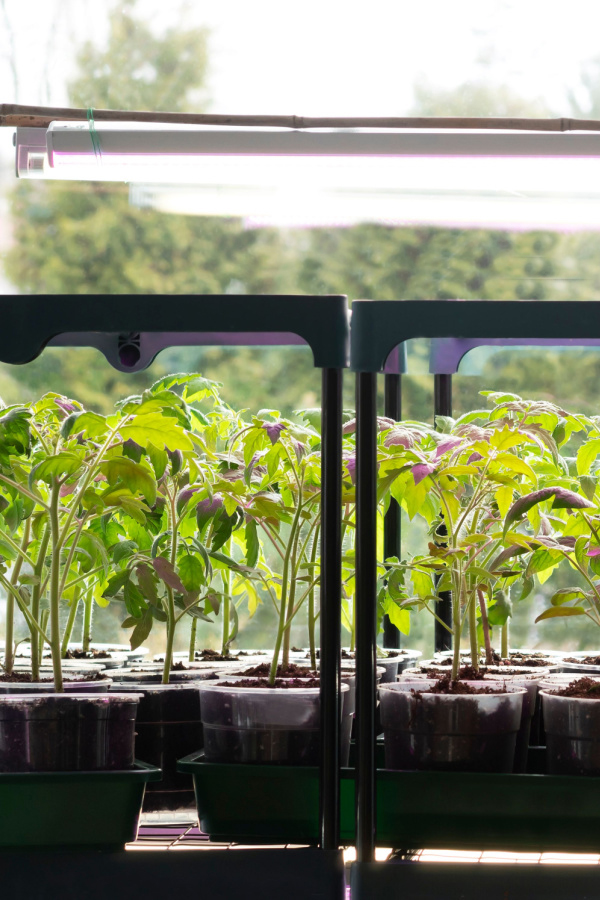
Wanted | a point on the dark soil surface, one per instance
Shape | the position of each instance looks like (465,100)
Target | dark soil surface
(583,687)
(279,683)
(587,661)
(25,678)
(468,673)
(292,670)
(516,659)
(212,656)
(445,685)
(88,654)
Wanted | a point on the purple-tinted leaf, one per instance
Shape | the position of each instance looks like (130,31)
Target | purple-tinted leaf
(523,504)
(400,437)
(446,445)
(564,499)
(166,572)
(351,466)
(66,405)
(183,498)
(473,432)
(474,457)
(208,509)
(274,430)
(593,551)
(176,457)
(421,471)
(299,449)
(67,489)
(349,427)
(383,423)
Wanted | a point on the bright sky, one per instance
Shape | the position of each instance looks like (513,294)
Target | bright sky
(324,56)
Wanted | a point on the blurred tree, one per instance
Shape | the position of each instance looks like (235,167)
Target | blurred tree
(85,238)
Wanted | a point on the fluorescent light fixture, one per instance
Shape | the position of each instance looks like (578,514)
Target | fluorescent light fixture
(271,176)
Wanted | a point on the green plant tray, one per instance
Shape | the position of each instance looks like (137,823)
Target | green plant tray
(463,811)
(98,810)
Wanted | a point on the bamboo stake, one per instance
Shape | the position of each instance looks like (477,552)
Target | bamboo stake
(13,115)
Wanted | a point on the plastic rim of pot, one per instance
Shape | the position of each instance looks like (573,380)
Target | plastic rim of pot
(464,732)
(149,677)
(572,726)
(50,732)
(262,725)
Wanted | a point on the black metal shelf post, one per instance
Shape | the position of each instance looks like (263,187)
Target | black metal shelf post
(392,531)
(442,406)
(377,327)
(130,331)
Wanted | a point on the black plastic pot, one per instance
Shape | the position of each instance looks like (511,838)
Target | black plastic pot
(460,733)
(168,727)
(572,727)
(67,732)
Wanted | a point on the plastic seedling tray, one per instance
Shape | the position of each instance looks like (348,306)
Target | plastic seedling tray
(93,810)
(465,811)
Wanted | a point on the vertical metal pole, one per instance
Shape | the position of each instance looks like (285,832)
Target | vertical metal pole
(442,405)
(391,522)
(331,605)
(366,600)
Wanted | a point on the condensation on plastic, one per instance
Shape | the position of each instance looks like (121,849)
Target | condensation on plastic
(67,732)
(466,732)
(264,725)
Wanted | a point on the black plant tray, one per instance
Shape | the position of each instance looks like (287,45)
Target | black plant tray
(98,810)
(463,811)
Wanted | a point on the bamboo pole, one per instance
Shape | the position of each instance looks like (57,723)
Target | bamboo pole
(13,115)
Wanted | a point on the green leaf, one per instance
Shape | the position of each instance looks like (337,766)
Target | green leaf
(141,630)
(123,550)
(542,559)
(57,466)
(90,423)
(147,583)
(588,485)
(586,455)
(252,543)
(134,599)
(400,618)
(501,610)
(555,612)
(133,475)
(422,582)
(158,458)
(161,431)
(116,583)
(191,572)
(566,594)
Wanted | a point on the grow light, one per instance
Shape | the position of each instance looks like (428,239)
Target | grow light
(333,177)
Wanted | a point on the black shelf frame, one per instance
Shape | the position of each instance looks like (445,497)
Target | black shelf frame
(377,327)
(130,330)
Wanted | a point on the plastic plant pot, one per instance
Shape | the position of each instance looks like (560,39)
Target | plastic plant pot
(572,726)
(450,732)
(67,732)
(168,727)
(147,676)
(262,725)
(567,665)
(76,680)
